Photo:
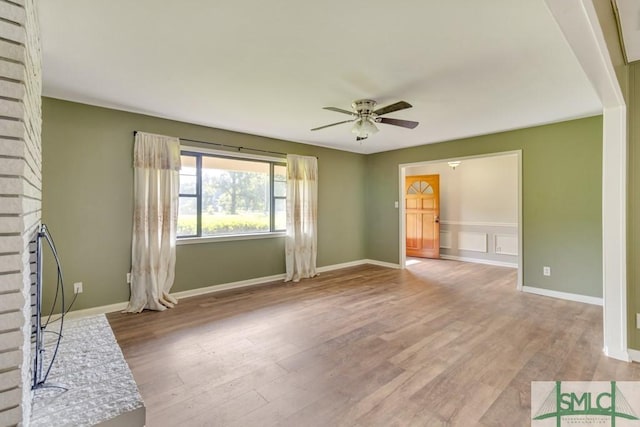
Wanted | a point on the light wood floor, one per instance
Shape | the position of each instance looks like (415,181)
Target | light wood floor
(441,343)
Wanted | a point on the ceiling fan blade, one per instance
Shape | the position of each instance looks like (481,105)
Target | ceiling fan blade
(393,107)
(333,124)
(339,110)
(397,122)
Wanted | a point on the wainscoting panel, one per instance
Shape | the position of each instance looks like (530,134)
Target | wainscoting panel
(472,241)
(484,242)
(506,244)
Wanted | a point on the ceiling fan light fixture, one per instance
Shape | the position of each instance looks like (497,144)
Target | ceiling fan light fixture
(363,127)
(364,117)
(370,127)
(357,127)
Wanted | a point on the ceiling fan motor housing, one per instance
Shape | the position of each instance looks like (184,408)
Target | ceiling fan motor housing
(364,107)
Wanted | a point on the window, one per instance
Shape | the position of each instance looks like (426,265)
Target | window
(421,187)
(222,195)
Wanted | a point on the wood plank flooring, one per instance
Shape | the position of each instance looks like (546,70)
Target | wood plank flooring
(442,343)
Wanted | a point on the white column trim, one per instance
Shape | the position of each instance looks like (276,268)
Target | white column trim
(580,25)
(614,232)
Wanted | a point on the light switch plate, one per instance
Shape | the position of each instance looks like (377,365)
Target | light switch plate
(637,320)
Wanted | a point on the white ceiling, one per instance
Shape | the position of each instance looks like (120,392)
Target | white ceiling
(268,67)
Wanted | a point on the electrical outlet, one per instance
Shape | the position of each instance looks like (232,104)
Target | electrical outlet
(128,277)
(77,288)
(546,271)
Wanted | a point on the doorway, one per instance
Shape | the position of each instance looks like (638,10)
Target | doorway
(500,243)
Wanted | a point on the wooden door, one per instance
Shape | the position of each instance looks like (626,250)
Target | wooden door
(422,208)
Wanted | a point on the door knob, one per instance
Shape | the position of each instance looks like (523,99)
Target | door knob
(437,219)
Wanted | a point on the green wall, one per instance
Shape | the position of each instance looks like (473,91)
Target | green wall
(88,198)
(87,202)
(562,199)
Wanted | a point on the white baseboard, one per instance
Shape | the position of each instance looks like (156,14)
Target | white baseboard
(93,311)
(339,266)
(228,286)
(563,295)
(381,263)
(260,280)
(480,261)
(634,355)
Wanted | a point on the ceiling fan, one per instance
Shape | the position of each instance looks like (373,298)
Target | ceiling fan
(365,117)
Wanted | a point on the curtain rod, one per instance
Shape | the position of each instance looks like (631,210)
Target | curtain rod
(235,147)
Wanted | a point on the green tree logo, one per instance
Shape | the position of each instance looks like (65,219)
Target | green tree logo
(611,404)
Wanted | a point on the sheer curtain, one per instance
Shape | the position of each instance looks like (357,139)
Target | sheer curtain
(302,212)
(156,162)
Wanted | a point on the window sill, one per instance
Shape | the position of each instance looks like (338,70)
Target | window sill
(212,239)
